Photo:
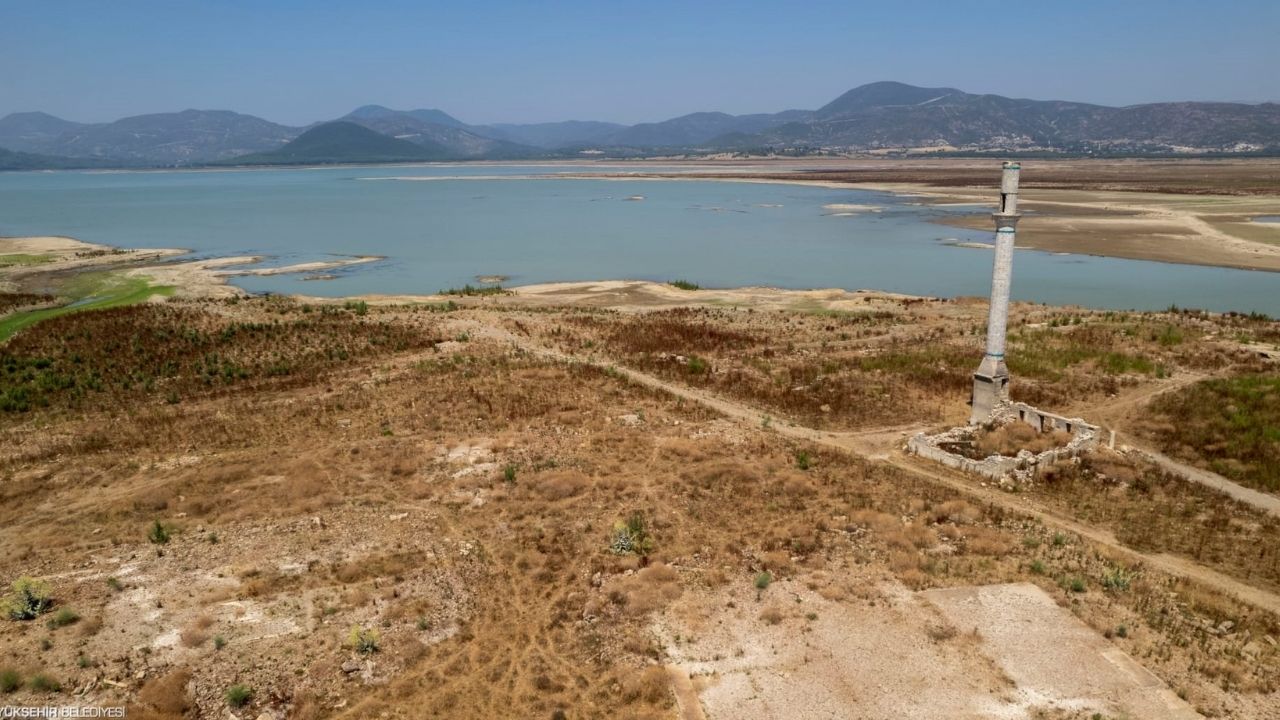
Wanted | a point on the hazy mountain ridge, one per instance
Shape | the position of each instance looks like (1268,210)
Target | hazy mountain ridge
(185,137)
(699,128)
(876,116)
(344,142)
(889,115)
(436,128)
(552,135)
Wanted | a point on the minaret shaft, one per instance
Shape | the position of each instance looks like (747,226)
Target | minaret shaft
(991,381)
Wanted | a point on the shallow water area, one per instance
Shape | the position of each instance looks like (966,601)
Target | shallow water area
(443,226)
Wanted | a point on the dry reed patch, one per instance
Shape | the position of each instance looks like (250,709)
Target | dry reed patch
(15,301)
(1228,425)
(1012,437)
(682,330)
(171,352)
(1152,510)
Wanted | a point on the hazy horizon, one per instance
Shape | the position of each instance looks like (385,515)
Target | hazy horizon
(503,62)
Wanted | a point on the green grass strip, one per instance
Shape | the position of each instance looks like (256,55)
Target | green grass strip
(92,291)
(12,259)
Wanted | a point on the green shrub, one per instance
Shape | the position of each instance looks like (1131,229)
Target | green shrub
(63,618)
(10,681)
(470,290)
(363,640)
(158,534)
(30,599)
(509,474)
(43,683)
(763,580)
(1117,580)
(238,696)
(630,537)
(697,366)
(803,459)
(684,285)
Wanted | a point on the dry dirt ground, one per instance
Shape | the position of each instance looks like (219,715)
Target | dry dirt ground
(657,503)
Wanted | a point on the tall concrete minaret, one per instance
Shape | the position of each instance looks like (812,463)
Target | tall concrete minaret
(991,381)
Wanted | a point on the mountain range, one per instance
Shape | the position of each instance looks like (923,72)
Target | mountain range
(882,116)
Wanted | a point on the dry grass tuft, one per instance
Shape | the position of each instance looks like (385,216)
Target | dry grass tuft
(164,698)
(772,615)
(196,633)
(560,484)
(649,589)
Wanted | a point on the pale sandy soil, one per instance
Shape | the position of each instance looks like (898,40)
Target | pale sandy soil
(1141,226)
(69,254)
(1053,657)
(819,646)
(631,295)
(205,278)
(850,209)
(208,278)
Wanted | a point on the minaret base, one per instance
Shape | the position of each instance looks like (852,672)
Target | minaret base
(990,389)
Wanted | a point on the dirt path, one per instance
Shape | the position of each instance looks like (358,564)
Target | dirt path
(883,445)
(1115,413)
(1260,500)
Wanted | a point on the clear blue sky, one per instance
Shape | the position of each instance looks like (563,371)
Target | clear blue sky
(296,61)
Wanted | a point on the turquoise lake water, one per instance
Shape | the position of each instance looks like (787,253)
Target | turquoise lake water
(495,220)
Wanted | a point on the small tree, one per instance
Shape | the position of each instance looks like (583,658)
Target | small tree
(30,599)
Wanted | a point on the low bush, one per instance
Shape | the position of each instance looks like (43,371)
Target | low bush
(238,696)
(29,599)
(363,640)
(63,618)
(158,534)
(630,537)
(43,683)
